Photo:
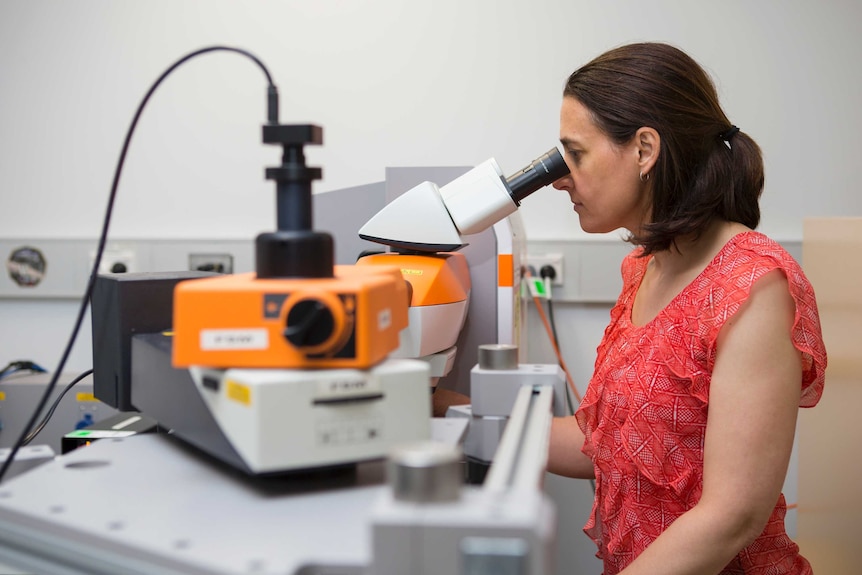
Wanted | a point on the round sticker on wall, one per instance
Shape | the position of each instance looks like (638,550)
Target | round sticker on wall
(26,266)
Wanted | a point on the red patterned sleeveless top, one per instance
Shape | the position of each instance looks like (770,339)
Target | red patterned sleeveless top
(644,412)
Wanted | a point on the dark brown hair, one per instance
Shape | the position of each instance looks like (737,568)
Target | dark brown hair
(697,177)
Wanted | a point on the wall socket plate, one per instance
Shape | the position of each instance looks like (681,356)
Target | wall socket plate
(211,262)
(537,261)
(115,260)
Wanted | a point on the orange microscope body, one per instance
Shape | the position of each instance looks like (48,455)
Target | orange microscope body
(439,286)
(434,279)
(350,320)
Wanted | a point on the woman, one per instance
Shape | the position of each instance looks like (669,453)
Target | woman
(714,343)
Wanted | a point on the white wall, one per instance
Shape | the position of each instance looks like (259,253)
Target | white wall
(443,82)
(393,83)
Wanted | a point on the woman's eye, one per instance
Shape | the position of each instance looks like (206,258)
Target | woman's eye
(574,154)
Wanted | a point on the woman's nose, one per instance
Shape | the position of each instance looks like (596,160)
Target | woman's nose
(563,183)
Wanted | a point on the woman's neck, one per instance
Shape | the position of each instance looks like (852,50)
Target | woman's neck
(692,253)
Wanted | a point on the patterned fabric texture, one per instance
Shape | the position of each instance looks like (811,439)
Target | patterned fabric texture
(645,410)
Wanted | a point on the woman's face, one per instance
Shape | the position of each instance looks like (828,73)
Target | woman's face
(604,184)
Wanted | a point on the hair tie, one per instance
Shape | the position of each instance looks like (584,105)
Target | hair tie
(728,134)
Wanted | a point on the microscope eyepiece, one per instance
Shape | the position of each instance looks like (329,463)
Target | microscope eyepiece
(546,169)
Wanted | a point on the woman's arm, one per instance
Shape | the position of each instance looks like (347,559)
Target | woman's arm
(753,403)
(564,453)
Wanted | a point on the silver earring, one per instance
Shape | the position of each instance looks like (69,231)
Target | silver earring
(644,177)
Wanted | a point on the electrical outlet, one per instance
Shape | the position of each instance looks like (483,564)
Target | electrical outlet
(219,263)
(536,262)
(115,261)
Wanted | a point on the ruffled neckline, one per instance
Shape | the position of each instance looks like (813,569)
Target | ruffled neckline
(674,302)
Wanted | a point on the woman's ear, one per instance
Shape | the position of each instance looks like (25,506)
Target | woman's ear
(648,144)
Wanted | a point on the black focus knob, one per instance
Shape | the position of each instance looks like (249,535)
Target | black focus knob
(309,323)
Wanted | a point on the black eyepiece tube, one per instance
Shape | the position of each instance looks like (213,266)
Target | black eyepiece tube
(542,171)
